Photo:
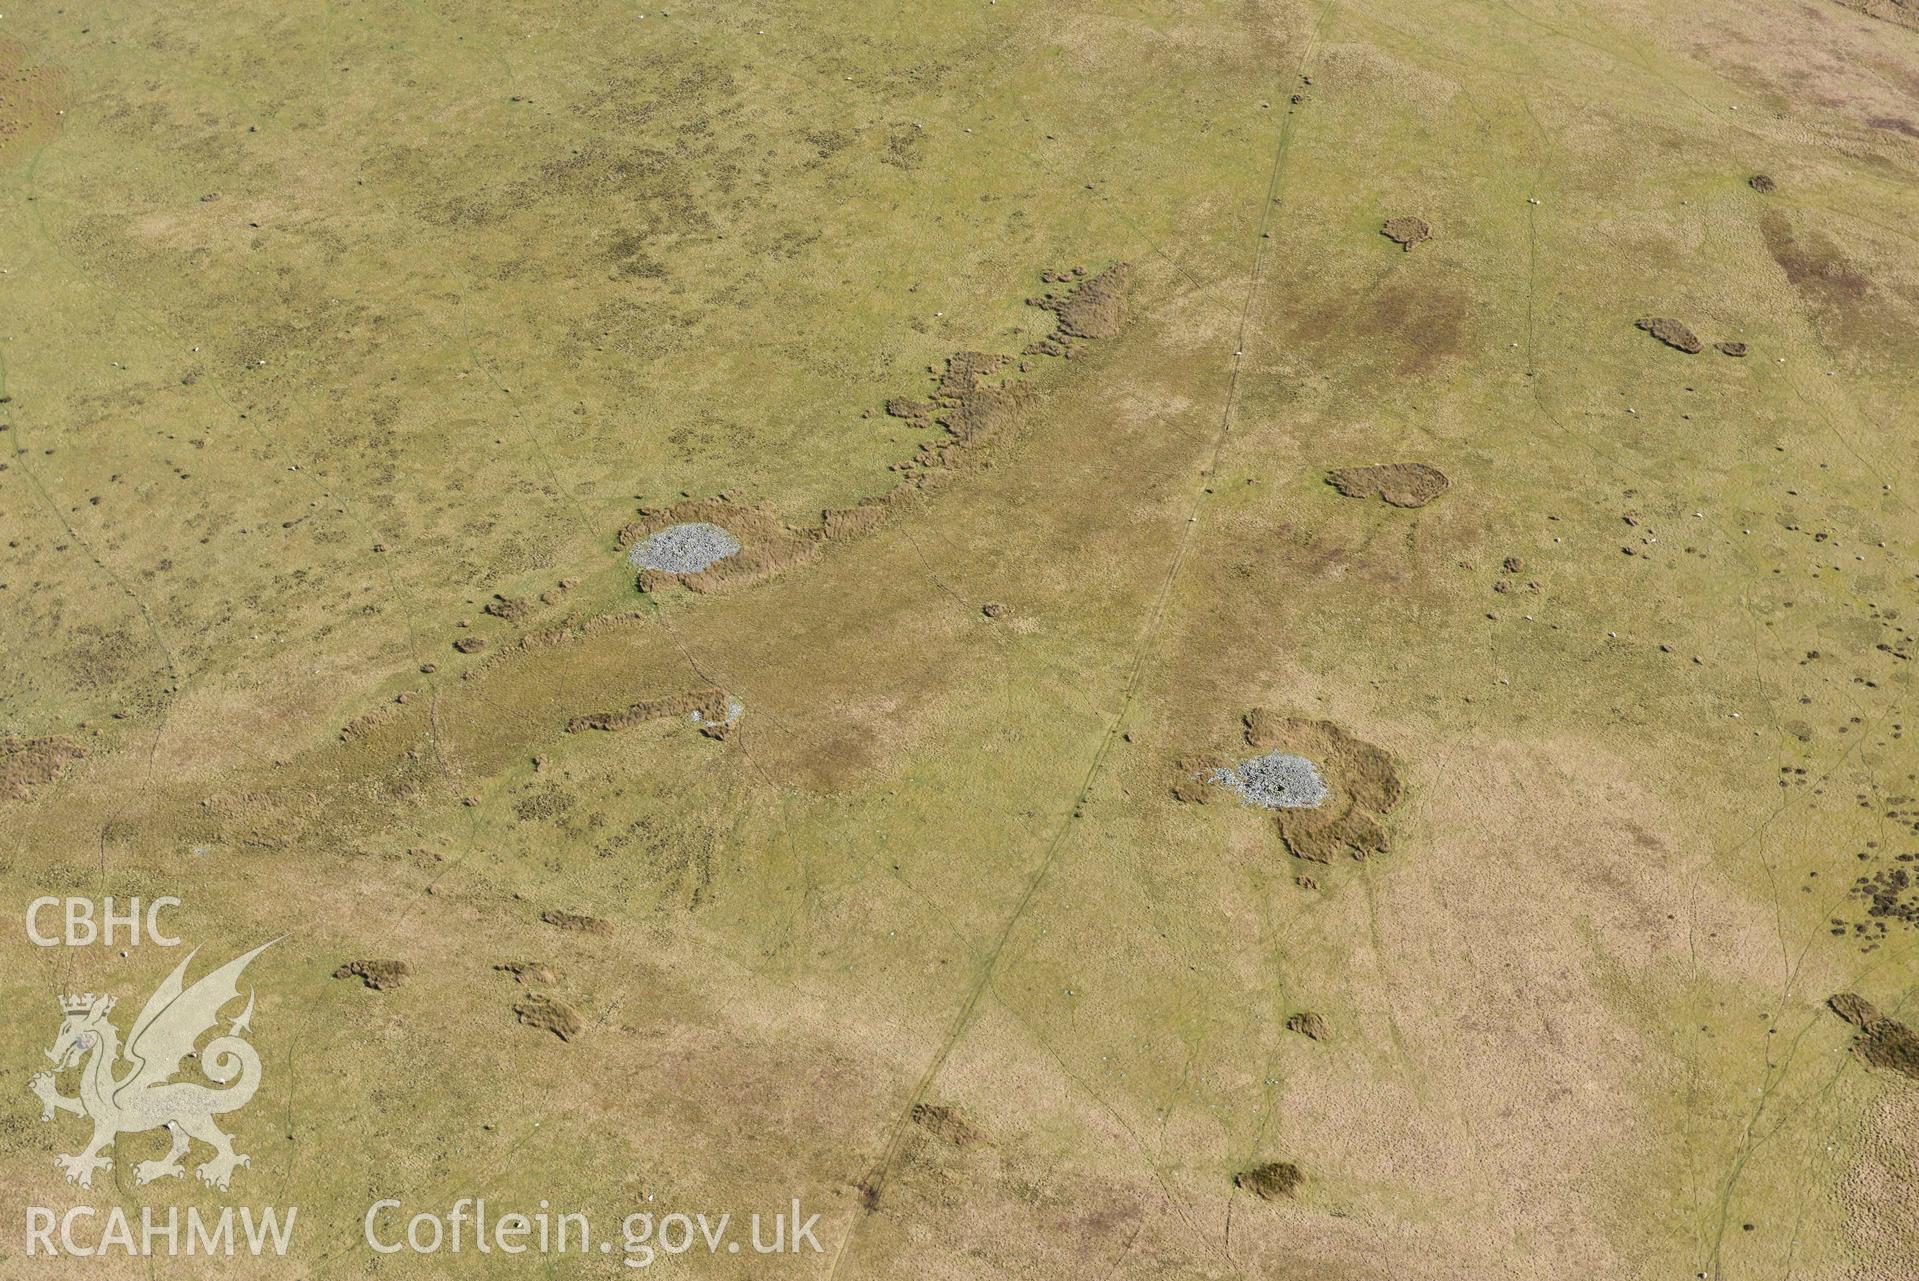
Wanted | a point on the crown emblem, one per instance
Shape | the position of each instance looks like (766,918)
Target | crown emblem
(81,1004)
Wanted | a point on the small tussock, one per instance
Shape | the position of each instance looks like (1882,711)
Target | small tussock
(27,763)
(1730,348)
(1273,1181)
(1396,484)
(1407,232)
(1671,332)
(549,1014)
(378,975)
(1763,184)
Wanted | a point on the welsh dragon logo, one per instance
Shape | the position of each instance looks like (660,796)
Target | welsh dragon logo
(125,1090)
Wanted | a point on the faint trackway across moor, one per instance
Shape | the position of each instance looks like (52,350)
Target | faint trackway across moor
(875,1180)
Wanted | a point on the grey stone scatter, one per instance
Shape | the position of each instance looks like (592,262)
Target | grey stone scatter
(684,549)
(1275,781)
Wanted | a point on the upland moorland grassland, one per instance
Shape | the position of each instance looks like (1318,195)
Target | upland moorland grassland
(715,576)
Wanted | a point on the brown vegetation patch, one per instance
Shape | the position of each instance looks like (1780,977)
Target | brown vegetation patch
(1362,785)
(1671,332)
(1272,1181)
(553,638)
(1854,1009)
(30,100)
(545,805)
(1814,264)
(470,644)
(1901,13)
(945,1124)
(1762,184)
(1093,308)
(1882,1042)
(1731,348)
(1890,1044)
(710,703)
(1361,782)
(27,763)
(973,400)
(1891,896)
(528,971)
(1844,303)
(1424,323)
(974,406)
(767,544)
(1399,484)
(560,919)
(554,594)
(1191,774)
(378,975)
(549,1014)
(364,725)
(1407,231)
